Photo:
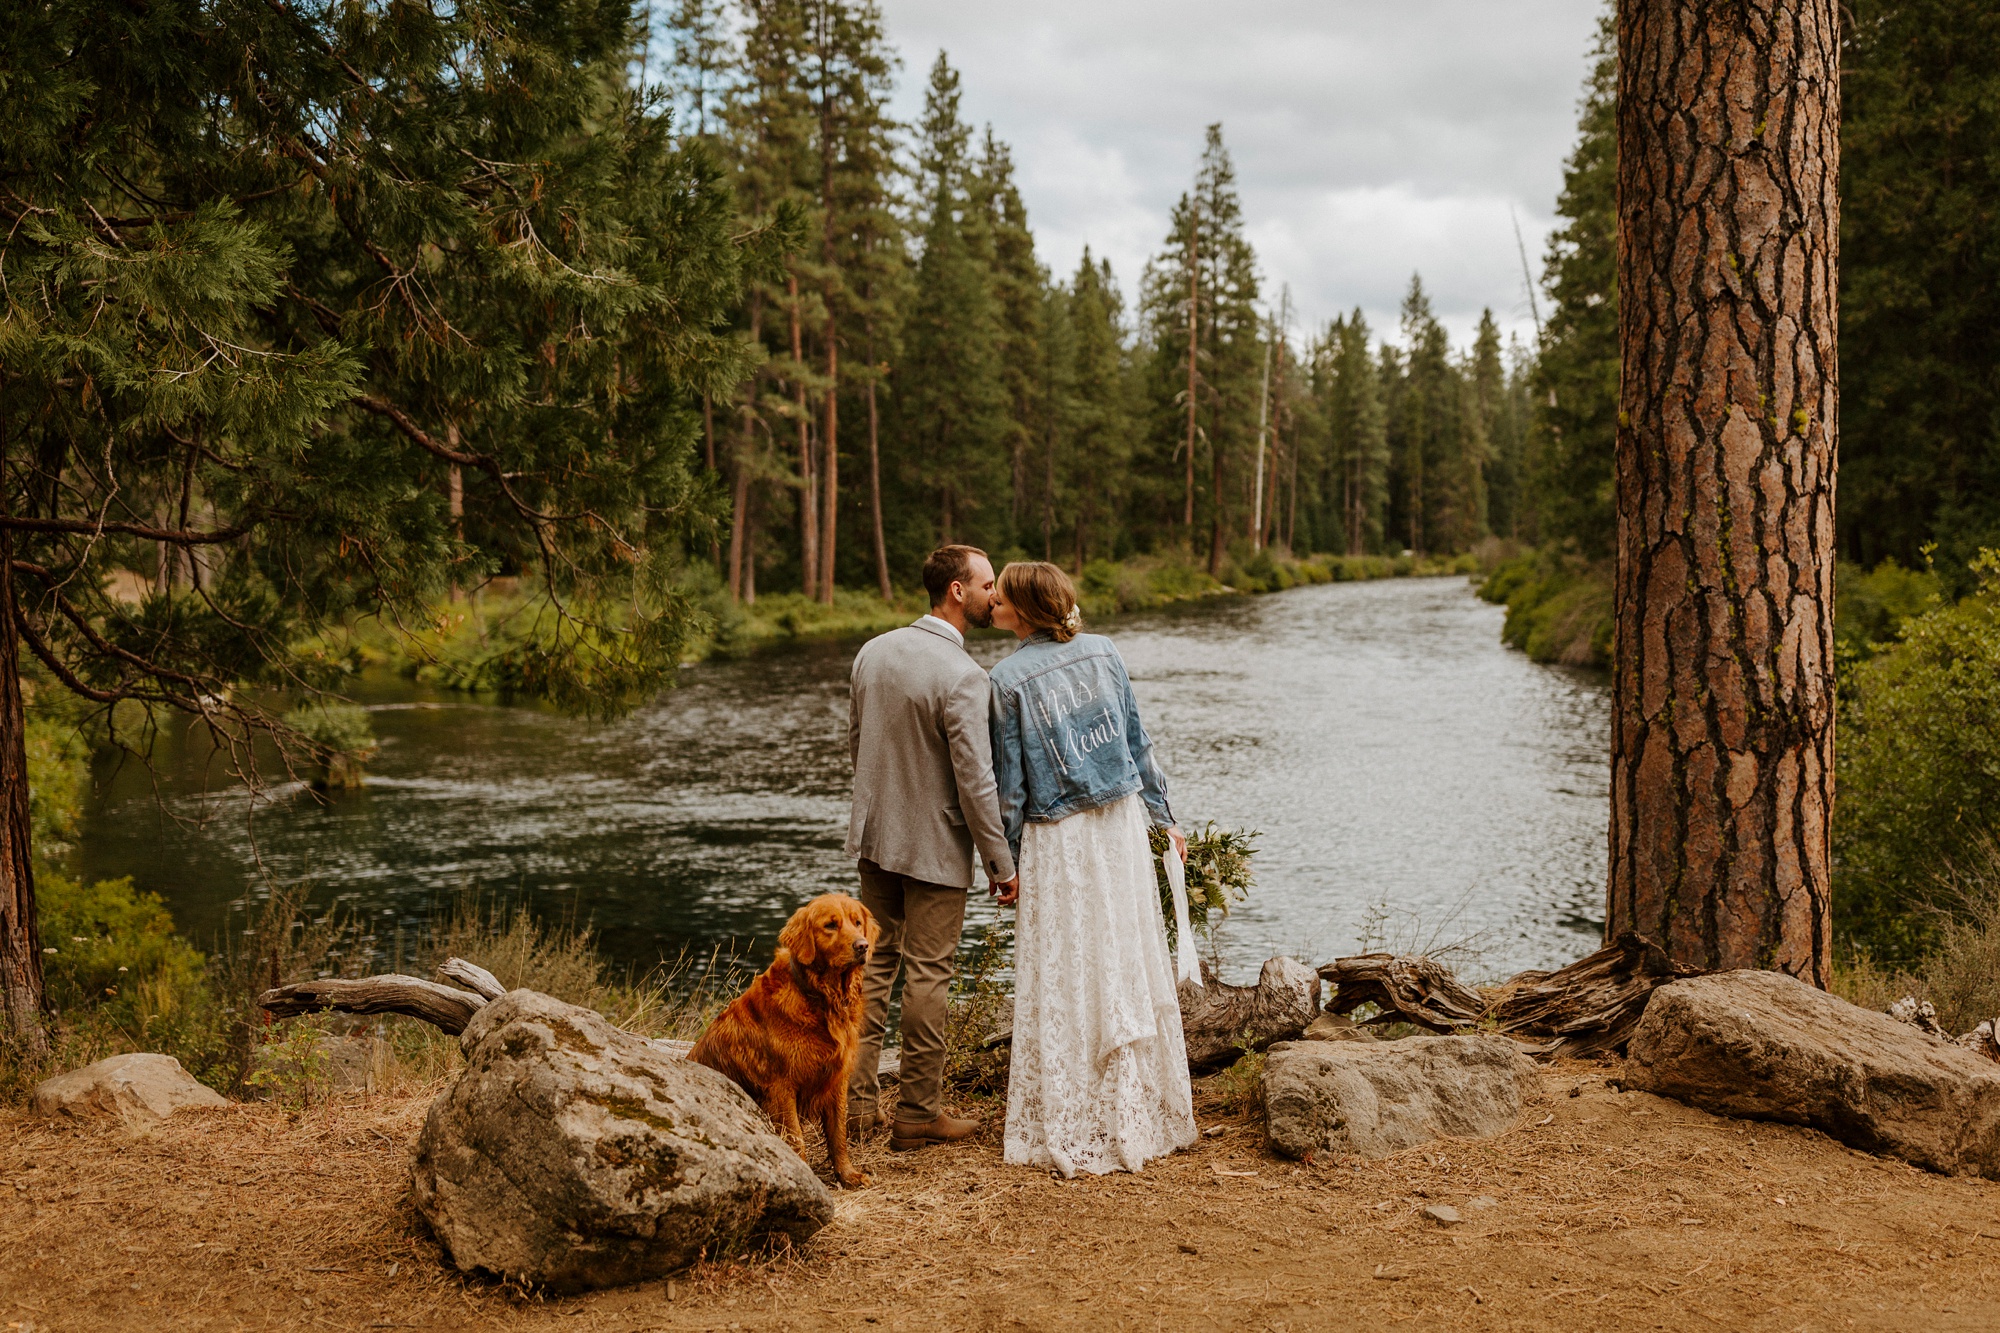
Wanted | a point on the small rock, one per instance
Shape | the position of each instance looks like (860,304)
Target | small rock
(1482,1203)
(1377,1098)
(1215,1131)
(1443,1214)
(136,1088)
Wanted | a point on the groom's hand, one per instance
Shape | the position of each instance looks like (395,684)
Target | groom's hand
(1006,892)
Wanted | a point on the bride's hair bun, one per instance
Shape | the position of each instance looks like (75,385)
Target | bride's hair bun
(1043,597)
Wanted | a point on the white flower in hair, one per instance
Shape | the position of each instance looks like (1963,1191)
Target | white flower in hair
(1074,620)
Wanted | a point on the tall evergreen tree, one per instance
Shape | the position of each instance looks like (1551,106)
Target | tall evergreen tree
(1356,477)
(1576,371)
(273,277)
(1098,428)
(1019,284)
(1920,281)
(953,404)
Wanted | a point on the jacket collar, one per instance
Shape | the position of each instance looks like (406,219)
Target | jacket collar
(944,629)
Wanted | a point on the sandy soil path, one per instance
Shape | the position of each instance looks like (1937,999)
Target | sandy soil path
(1612,1210)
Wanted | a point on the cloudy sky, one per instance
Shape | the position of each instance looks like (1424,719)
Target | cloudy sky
(1371,140)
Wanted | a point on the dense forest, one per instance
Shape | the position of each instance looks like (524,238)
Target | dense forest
(922,376)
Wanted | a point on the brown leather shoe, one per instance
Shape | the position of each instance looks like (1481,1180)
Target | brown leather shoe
(909,1135)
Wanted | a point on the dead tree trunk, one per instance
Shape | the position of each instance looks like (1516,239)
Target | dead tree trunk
(1722,741)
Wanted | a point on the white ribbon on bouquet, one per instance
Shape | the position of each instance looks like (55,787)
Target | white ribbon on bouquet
(1187,967)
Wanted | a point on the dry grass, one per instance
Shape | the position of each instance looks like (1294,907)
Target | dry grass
(1613,1210)
(1961,972)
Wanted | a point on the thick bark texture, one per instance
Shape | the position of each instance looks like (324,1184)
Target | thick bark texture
(1722,741)
(20,934)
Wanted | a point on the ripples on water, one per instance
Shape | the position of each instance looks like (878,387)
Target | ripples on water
(1394,754)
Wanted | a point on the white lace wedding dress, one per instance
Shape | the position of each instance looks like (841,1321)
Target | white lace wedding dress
(1099,1079)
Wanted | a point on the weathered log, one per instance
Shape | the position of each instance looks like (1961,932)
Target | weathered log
(442,1007)
(1221,1022)
(473,977)
(1589,1006)
(1420,991)
(1593,1004)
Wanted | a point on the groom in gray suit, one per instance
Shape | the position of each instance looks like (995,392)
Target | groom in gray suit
(924,801)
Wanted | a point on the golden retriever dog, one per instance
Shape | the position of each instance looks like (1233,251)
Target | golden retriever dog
(789,1040)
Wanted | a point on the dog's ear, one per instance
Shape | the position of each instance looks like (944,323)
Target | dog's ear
(797,936)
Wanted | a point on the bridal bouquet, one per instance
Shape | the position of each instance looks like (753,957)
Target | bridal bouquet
(1218,874)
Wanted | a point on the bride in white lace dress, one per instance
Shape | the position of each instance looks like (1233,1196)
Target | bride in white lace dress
(1099,1080)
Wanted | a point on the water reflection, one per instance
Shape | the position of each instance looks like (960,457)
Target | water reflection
(1391,751)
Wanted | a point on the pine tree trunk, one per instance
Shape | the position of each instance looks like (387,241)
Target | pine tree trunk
(1194,326)
(875,493)
(1722,740)
(1215,519)
(739,513)
(830,513)
(708,449)
(20,933)
(808,489)
(455,500)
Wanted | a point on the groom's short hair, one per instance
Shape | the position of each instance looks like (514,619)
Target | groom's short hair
(945,566)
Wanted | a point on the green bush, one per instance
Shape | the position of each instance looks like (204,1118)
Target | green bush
(1919,770)
(1559,607)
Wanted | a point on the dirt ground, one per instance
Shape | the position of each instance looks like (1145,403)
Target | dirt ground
(1611,1210)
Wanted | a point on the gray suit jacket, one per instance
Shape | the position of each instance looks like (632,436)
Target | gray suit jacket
(923,760)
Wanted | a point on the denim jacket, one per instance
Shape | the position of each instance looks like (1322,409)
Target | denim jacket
(1066,734)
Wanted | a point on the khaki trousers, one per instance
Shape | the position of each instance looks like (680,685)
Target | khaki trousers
(920,925)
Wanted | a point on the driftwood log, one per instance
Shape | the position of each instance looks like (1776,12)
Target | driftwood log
(1221,1022)
(392,993)
(1590,1006)
(1420,991)
(1593,1004)
(443,1007)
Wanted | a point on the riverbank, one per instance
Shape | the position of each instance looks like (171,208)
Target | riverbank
(1609,1210)
(471,644)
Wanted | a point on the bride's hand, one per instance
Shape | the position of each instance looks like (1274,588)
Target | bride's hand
(1179,840)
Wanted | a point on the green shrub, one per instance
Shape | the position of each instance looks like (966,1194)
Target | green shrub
(119,977)
(1559,607)
(1919,770)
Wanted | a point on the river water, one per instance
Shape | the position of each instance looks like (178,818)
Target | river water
(1414,782)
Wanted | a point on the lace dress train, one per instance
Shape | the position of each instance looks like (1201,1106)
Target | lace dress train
(1099,1076)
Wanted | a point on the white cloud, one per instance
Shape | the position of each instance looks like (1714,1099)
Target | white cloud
(1370,140)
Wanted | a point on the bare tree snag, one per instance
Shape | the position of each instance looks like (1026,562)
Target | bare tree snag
(1722,735)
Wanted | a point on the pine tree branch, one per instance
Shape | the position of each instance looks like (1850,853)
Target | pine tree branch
(74,616)
(99,527)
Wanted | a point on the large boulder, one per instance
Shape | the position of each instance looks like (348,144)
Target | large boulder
(1767,1046)
(135,1088)
(573,1155)
(1376,1098)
